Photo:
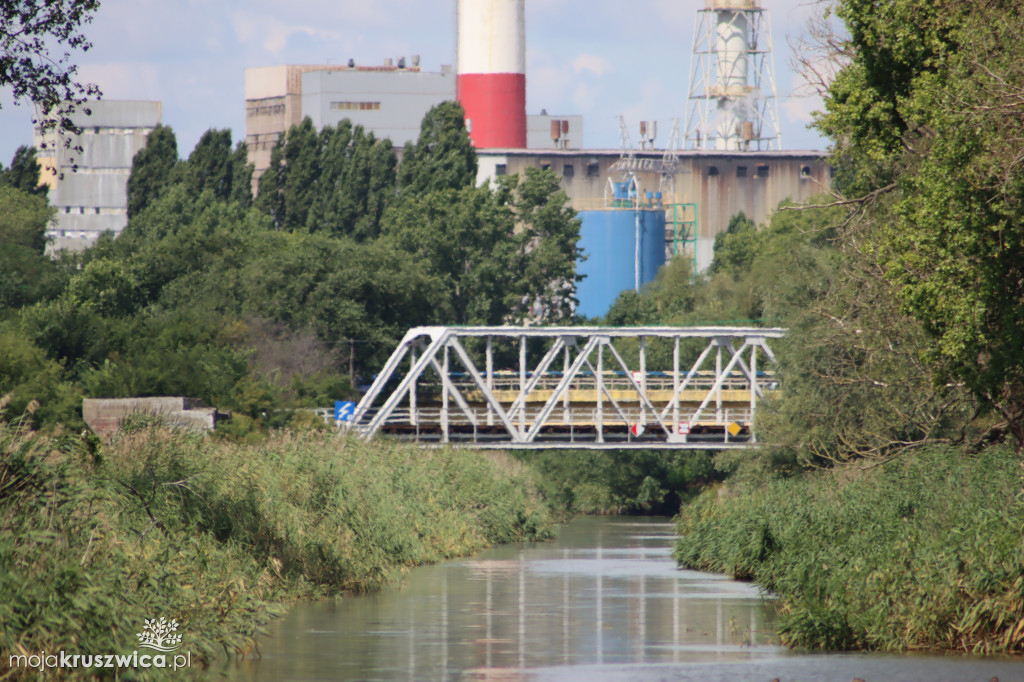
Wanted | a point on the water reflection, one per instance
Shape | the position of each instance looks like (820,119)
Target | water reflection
(606,593)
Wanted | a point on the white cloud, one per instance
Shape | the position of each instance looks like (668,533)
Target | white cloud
(594,64)
(274,35)
(125,80)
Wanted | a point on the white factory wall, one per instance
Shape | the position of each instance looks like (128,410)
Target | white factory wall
(391,103)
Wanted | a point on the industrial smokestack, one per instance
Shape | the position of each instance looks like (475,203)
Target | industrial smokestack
(491,71)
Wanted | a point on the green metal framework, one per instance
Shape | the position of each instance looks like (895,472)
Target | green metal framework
(683,220)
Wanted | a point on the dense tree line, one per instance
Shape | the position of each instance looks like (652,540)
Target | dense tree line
(927,121)
(283,298)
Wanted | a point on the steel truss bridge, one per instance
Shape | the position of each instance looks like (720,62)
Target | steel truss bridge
(571,387)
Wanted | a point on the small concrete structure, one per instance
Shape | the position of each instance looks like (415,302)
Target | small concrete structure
(104,415)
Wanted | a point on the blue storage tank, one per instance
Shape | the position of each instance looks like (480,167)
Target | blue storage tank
(608,239)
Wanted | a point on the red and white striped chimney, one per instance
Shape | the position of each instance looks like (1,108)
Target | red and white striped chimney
(491,72)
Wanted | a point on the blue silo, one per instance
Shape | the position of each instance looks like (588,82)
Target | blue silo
(609,239)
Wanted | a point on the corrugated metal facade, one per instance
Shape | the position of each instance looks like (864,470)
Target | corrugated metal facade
(93,199)
(615,261)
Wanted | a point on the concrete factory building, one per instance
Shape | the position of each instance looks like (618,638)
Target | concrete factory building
(638,206)
(389,100)
(697,192)
(93,198)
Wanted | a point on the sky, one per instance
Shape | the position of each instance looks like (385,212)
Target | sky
(598,58)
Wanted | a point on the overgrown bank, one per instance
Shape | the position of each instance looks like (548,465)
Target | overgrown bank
(218,536)
(922,553)
(619,481)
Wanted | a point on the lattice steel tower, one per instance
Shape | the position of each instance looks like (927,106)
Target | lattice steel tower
(732,100)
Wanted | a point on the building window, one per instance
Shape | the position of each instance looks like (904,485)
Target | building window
(544,165)
(500,169)
(762,171)
(273,109)
(712,170)
(355,106)
(568,170)
(805,172)
(741,171)
(593,169)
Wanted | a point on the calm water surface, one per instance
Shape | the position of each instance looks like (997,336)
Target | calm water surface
(603,602)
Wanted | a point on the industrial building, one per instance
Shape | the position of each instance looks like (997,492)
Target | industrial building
(89,189)
(388,100)
(697,191)
(638,205)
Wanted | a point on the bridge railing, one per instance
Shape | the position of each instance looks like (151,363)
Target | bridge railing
(616,381)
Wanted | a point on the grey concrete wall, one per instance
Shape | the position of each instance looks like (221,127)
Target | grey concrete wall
(104,415)
(401,97)
(91,197)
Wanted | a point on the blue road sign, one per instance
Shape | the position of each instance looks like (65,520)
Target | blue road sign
(344,410)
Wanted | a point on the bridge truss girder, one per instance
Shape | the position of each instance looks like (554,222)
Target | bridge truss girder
(538,409)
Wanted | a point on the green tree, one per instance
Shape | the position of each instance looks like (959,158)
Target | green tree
(544,245)
(152,169)
(241,175)
(443,156)
(355,182)
(927,121)
(288,187)
(27,376)
(24,172)
(27,273)
(463,236)
(210,165)
(736,248)
(504,254)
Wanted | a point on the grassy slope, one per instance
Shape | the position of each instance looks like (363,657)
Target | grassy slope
(219,535)
(923,553)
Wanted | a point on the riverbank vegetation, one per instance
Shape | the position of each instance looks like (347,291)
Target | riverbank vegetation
(96,538)
(886,511)
(619,482)
(923,553)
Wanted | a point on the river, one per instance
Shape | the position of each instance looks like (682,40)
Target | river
(603,602)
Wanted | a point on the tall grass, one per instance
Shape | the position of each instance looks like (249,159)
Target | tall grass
(923,553)
(219,536)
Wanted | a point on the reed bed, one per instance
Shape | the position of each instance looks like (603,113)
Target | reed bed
(220,536)
(924,553)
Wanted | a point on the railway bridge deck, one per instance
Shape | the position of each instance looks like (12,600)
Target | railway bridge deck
(572,387)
